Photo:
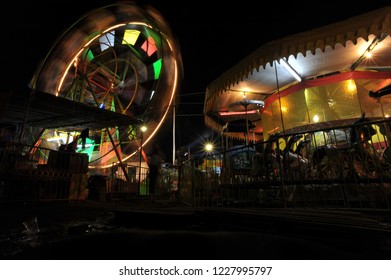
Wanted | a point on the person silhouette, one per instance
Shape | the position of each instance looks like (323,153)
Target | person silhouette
(154,163)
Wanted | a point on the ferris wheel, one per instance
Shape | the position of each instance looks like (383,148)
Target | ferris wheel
(121,58)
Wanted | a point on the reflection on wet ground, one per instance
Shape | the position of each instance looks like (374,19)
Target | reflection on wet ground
(16,241)
(169,230)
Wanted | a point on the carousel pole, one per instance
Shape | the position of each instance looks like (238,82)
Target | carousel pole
(245,108)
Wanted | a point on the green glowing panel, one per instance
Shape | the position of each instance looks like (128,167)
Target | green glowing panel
(157,67)
(88,55)
(89,148)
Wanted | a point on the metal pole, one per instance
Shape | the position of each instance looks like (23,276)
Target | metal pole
(119,156)
(139,170)
(173,134)
(245,107)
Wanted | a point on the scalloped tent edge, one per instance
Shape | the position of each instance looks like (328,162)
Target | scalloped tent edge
(318,53)
(361,26)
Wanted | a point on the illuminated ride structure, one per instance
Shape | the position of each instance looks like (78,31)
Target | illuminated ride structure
(312,80)
(319,120)
(113,71)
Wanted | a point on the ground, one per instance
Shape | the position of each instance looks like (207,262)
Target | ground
(161,228)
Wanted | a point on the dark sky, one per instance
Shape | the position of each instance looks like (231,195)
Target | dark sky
(213,37)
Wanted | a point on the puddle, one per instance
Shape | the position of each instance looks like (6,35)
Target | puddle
(32,235)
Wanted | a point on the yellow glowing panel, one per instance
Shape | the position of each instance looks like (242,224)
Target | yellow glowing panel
(149,46)
(130,37)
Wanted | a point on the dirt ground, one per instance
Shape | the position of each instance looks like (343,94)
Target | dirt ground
(167,229)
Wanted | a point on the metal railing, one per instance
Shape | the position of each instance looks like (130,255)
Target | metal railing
(35,173)
(334,167)
(31,173)
(338,167)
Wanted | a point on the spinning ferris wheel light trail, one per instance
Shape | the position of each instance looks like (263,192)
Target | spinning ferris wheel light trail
(122,59)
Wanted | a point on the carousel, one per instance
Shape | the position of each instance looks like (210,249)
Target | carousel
(321,78)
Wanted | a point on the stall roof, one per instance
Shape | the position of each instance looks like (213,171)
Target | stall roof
(319,52)
(45,110)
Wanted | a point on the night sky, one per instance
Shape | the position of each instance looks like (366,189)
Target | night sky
(213,37)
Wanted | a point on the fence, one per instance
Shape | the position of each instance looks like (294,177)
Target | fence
(330,167)
(29,173)
(32,173)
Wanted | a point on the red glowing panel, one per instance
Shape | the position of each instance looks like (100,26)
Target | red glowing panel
(238,113)
(149,46)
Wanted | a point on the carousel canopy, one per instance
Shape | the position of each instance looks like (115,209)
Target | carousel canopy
(297,59)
